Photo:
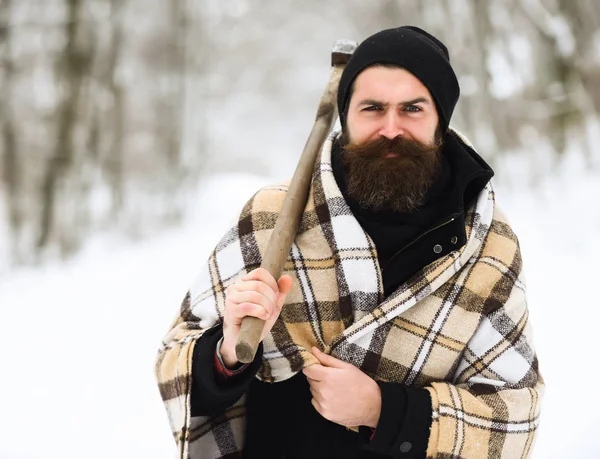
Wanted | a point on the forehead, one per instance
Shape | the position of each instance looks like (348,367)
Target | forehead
(388,84)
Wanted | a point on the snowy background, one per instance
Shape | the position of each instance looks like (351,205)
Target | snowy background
(80,338)
(183,110)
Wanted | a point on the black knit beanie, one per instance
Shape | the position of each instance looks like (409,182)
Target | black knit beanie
(415,50)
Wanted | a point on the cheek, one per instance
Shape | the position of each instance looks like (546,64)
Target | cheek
(360,132)
(424,132)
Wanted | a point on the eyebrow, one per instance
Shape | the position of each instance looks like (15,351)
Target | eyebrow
(385,104)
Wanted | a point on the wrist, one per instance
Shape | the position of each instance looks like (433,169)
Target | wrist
(375,404)
(227,353)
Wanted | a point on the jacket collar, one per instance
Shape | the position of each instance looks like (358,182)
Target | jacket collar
(470,172)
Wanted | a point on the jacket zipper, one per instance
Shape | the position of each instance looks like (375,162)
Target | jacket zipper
(418,238)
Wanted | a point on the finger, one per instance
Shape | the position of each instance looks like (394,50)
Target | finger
(328,360)
(285,284)
(249,309)
(316,388)
(316,405)
(311,378)
(261,274)
(315,393)
(318,391)
(314,372)
(253,297)
(259,287)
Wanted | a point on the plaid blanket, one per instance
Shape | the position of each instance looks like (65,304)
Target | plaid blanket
(459,327)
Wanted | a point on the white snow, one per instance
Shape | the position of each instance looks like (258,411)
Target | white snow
(80,338)
(558,225)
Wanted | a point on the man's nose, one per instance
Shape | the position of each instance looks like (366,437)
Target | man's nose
(392,126)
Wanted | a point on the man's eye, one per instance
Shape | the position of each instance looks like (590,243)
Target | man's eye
(412,108)
(372,108)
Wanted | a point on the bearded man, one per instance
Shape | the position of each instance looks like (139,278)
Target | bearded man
(400,326)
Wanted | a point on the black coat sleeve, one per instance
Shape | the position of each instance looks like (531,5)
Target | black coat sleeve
(404,423)
(211,395)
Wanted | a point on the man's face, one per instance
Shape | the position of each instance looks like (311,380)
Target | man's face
(391,147)
(390,102)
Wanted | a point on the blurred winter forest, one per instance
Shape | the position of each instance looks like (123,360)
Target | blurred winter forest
(114,111)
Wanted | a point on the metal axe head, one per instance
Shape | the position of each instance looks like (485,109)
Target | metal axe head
(342,51)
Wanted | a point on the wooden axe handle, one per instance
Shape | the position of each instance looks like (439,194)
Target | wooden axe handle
(288,221)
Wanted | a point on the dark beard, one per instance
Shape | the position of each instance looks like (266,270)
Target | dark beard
(397,184)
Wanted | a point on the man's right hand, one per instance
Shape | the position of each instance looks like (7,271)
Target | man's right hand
(256,294)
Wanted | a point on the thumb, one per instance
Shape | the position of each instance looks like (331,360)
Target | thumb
(285,285)
(328,360)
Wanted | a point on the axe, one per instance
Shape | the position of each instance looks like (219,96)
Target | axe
(288,221)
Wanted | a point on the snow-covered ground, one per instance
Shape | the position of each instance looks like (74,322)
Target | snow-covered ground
(559,229)
(80,339)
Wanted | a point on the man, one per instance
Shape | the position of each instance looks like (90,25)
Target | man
(400,326)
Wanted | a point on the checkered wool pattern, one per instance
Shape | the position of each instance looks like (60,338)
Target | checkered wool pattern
(458,328)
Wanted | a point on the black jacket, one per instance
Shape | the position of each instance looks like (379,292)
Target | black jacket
(279,414)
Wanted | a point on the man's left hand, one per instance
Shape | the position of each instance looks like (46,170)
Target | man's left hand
(342,393)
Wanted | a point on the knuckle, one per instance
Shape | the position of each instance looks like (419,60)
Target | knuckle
(251,309)
(266,277)
(228,291)
(260,273)
(269,307)
(264,272)
(255,296)
(264,289)
(246,309)
(260,296)
(236,310)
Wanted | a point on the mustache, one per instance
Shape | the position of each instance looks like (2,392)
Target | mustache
(401,146)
